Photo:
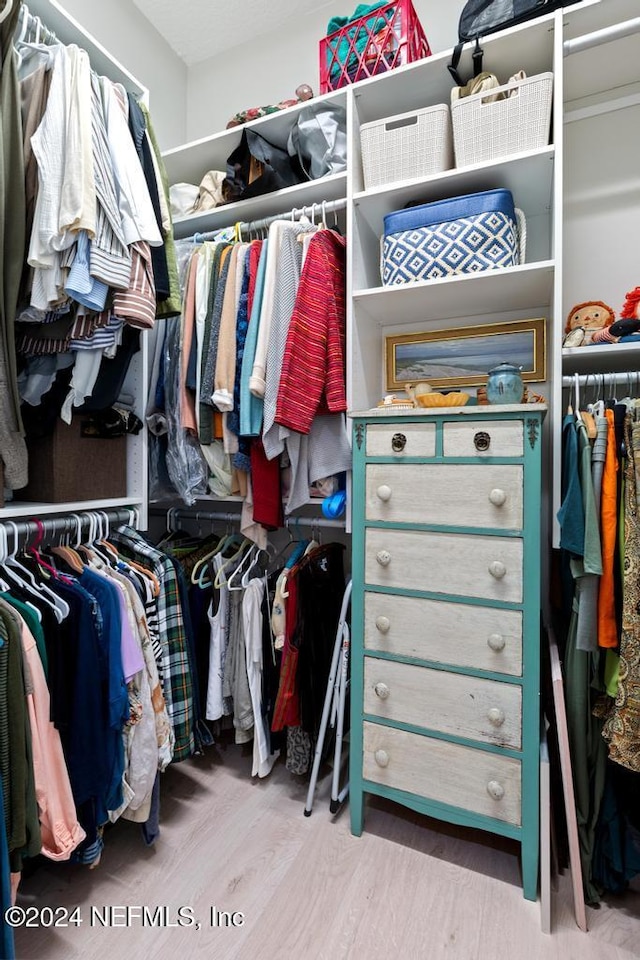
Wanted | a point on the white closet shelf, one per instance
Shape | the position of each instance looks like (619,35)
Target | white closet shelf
(24,508)
(608,67)
(601,358)
(280,201)
(189,162)
(68,30)
(528,46)
(494,291)
(529,176)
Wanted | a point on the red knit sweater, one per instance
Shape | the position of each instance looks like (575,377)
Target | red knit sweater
(313,370)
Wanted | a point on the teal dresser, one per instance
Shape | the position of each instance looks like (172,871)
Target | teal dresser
(445,709)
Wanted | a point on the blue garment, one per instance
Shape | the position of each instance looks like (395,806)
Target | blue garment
(571,512)
(80,285)
(117,697)
(241,460)
(250,406)
(7,947)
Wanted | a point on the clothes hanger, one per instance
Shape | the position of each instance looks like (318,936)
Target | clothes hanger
(220,578)
(252,566)
(248,556)
(25,579)
(4,13)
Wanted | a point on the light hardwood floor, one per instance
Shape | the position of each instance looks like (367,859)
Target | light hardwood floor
(408,889)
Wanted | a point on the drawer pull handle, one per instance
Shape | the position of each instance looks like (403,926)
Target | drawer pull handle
(383,624)
(496,716)
(382,690)
(383,557)
(398,442)
(384,492)
(495,790)
(482,441)
(497,569)
(382,758)
(498,497)
(497,642)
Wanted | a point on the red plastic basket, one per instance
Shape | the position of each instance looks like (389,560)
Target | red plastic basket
(388,37)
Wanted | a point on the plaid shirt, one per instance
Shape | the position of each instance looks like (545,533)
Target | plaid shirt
(176,674)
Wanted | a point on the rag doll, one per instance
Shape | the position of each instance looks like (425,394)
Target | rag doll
(587,323)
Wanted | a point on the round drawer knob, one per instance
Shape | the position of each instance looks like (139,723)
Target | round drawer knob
(382,758)
(495,790)
(383,624)
(384,492)
(498,497)
(496,716)
(382,690)
(497,569)
(384,558)
(497,642)
(398,442)
(481,441)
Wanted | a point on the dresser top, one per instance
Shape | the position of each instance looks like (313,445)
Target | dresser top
(479,411)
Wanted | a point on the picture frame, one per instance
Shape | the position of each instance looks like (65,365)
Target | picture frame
(463,356)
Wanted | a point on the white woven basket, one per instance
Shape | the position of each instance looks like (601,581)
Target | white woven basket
(485,130)
(407,146)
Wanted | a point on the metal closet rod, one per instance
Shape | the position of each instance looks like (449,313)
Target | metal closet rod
(324,206)
(593,379)
(615,32)
(60,525)
(176,514)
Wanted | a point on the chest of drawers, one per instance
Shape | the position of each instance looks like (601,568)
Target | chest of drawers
(445,712)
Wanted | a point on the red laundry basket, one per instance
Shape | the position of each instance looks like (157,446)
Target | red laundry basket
(385,38)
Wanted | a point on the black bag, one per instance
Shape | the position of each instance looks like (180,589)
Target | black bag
(257,166)
(481,17)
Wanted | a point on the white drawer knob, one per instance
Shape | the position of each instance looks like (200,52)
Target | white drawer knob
(495,790)
(497,642)
(384,558)
(382,758)
(496,716)
(383,624)
(497,569)
(497,497)
(382,690)
(384,492)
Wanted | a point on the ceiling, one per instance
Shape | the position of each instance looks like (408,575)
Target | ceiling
(198,29)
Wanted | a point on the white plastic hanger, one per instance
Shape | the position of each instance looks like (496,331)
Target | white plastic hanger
(24,578)
(4,13)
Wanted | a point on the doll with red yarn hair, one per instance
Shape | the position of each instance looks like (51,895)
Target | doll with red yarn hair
(627,328)
(587,323)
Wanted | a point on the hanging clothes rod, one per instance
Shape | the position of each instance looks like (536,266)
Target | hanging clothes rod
(607,379)
(615,32)
(175,514)
(30,25)
(323,207)
(71,523)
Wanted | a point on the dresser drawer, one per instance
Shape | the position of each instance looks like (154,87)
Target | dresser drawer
(484,438)
(401,440)
(448,563)
(458,634)
(462,495)
(451,703)
(474,780)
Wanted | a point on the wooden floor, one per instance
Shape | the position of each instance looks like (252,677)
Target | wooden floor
(408,889)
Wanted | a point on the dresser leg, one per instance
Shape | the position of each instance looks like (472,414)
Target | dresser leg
(530,871)
(356,808)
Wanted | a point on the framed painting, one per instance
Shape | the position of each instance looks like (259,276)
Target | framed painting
(462,357)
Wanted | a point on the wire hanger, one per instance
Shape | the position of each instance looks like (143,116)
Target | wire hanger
(8,7)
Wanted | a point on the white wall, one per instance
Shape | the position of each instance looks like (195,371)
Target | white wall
(120,27)
(270,68)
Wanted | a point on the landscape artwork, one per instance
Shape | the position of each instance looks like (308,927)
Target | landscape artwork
(464,356)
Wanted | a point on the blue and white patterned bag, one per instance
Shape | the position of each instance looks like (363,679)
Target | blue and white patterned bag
(470,234)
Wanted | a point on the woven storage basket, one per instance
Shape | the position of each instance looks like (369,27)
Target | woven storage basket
(485,129)
(407,146)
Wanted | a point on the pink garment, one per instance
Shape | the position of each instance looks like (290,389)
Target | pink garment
(61,832)
(15,883)
(187,399)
